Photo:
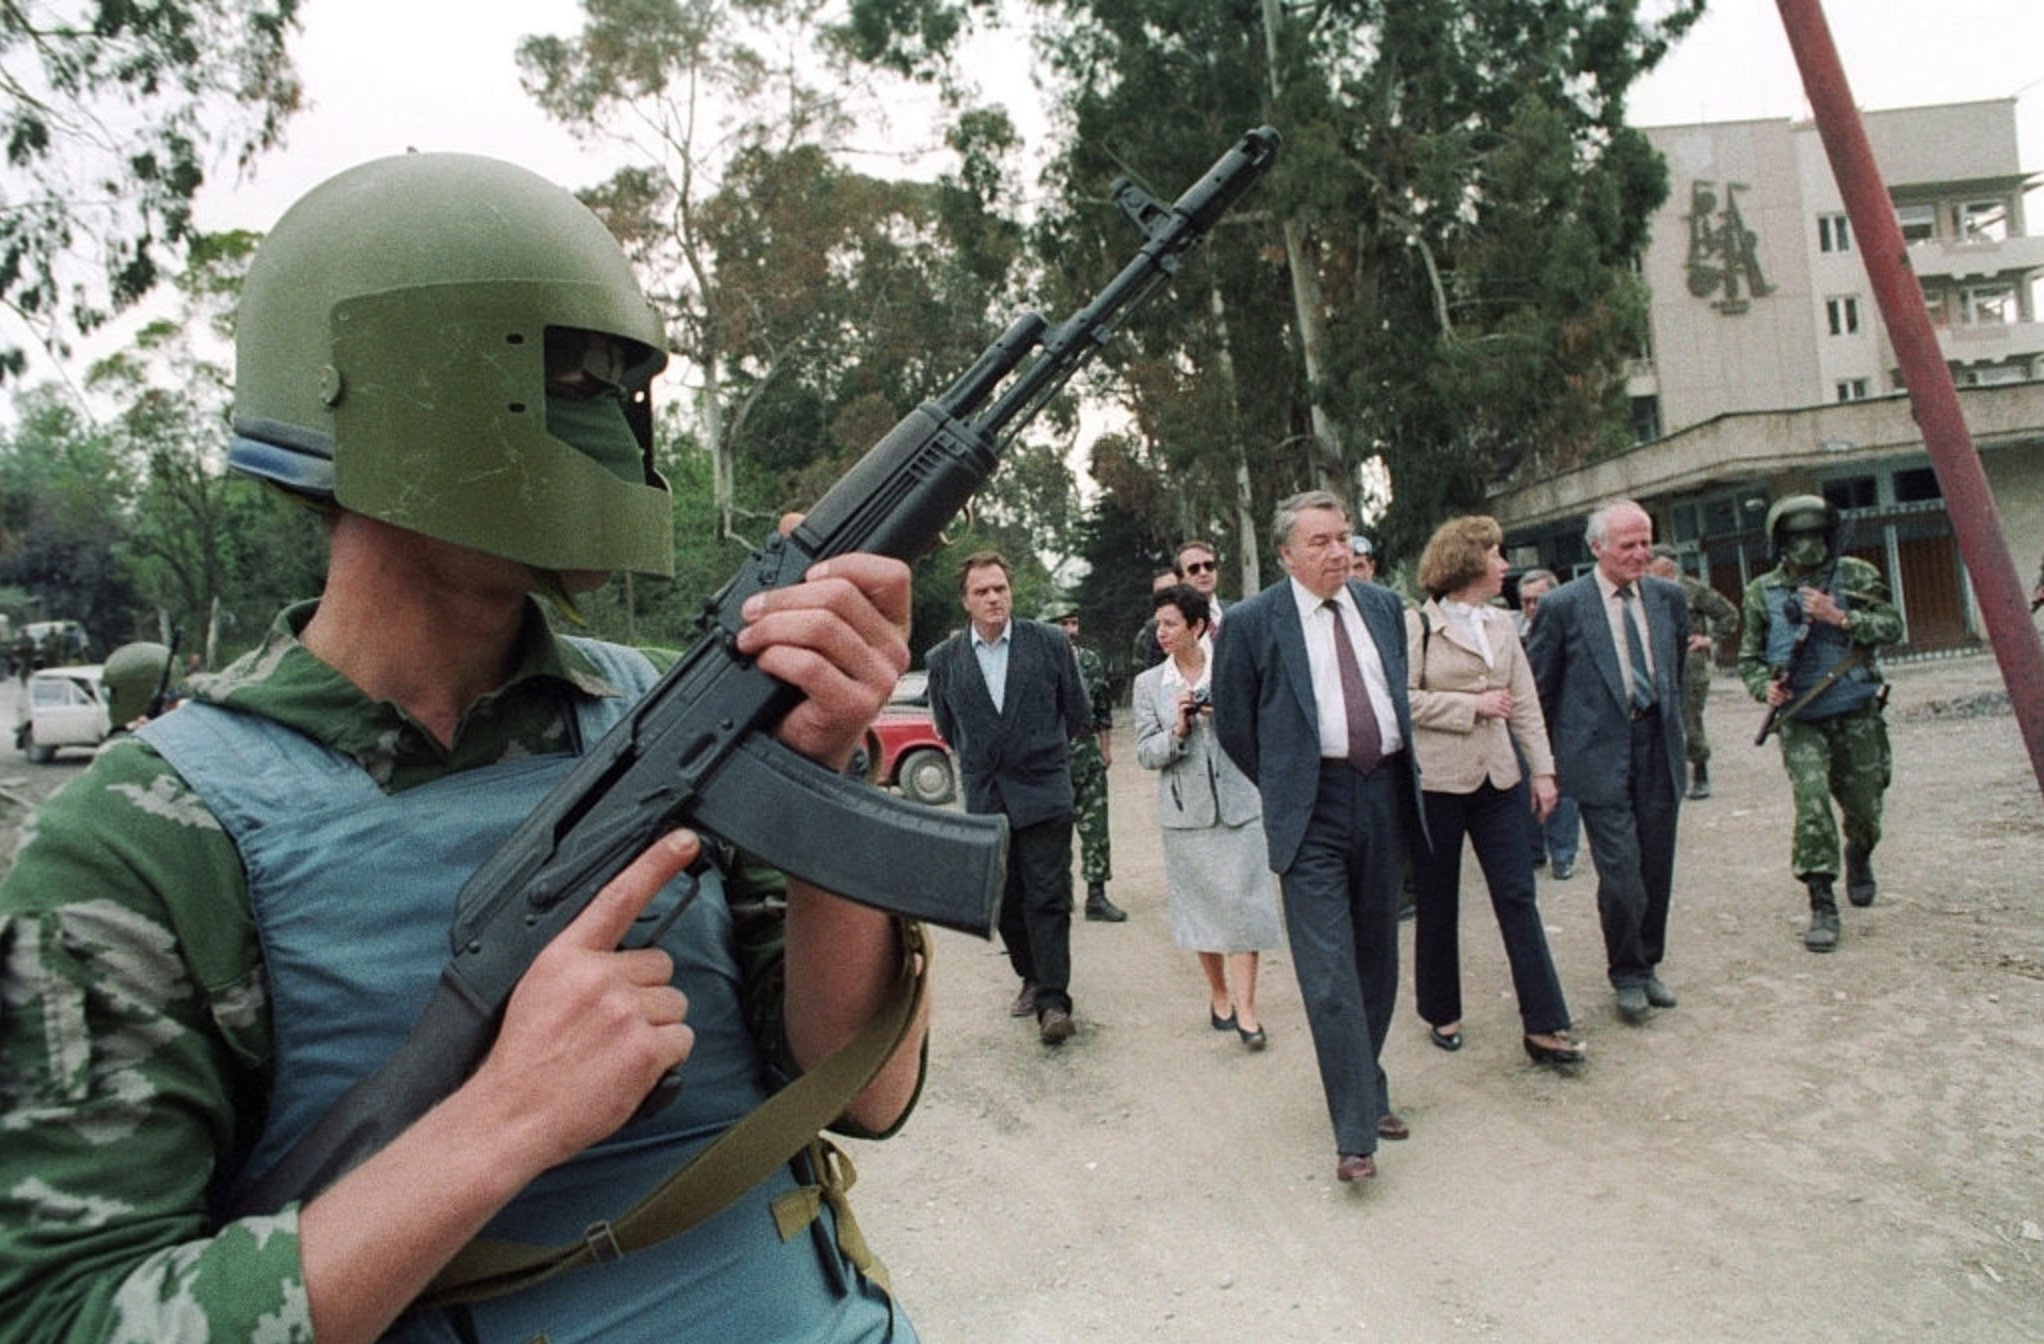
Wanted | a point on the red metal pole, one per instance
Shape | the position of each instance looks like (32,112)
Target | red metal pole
(1932,398)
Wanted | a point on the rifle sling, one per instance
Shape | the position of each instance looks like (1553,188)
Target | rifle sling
(737,1160)
(1852,659)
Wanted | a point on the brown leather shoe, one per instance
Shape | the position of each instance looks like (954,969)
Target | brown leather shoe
(1025,1002)
(1355,1167)
(1389,1126)
(1055,1026)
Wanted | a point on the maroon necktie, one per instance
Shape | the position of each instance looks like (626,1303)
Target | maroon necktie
(1365,739)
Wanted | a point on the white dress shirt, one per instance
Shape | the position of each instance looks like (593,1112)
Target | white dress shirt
(1331,709)
(992,656)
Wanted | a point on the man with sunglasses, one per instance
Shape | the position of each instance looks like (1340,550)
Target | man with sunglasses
(1196,565)
(1813,625)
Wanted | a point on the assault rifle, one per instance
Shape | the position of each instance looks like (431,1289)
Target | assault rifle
(161,696)
(699,748)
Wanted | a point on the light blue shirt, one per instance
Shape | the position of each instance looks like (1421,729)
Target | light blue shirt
(993,661)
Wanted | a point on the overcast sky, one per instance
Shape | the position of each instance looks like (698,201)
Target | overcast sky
(383,75)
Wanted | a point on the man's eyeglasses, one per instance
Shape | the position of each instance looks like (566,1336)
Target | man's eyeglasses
(1199,566)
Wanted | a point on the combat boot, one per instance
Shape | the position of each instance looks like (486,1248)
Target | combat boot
(1099,907)
(1822,935)
(1859,876)
(1699,781)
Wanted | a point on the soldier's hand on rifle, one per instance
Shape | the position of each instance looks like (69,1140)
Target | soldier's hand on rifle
(841,638)
(1777,693)
(1818,606)
(591,1026)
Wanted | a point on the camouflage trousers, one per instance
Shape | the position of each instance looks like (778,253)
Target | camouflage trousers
(1695,694)
(1089,809)
(1847,758)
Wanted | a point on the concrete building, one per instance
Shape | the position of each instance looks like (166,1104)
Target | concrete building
(1769,371)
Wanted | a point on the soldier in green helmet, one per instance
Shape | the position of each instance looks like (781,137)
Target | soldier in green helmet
(1813,625)
(242,906)
(132,676)
(1711,617)
(1092,754)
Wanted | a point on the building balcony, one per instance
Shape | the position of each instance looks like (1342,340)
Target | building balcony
(1952,259)
(1991,342)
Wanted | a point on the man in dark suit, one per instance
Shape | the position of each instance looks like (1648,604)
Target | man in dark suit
(1310,703)
(1006,695)
(1607,654)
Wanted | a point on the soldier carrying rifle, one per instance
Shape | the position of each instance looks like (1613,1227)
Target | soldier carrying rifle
(1812,627)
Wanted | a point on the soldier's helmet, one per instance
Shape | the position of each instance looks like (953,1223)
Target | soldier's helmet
(458,347)
(1803,510)
(130,676)
(1057,611)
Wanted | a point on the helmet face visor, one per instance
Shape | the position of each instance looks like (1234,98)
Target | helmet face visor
(441,395)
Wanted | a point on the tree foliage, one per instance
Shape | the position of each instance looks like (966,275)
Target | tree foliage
(112,112)
(1436,275)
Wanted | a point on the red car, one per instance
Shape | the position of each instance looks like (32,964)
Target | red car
(903,750)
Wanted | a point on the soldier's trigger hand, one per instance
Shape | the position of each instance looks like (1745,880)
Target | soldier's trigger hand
(591,1027)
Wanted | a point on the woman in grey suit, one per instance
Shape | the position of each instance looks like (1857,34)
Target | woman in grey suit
(1216,865)
(1473,703)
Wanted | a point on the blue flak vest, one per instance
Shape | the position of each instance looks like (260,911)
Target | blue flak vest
(353,890)
(1824,648)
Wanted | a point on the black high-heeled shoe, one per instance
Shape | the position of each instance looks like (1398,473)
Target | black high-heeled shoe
(1547,1054)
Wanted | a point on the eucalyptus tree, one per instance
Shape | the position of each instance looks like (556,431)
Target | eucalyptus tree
(1436,279)
(811,304)
(112,112)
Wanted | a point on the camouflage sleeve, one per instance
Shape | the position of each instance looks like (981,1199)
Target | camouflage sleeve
(133,1032)
(1720,616)
(1753,669)
(1874,618)
(1099,695)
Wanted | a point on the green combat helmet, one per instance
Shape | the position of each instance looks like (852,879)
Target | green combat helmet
(131,675)
(418,341)
(1790,506)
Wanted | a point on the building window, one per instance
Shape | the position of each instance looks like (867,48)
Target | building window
(1834,233)
(1841,314)
(1854,492)
(1990,305)
(1984,221)
(1646,419)
(1993,375)
(1936,304)
(1919,223)
(1916,485)
(1851,389)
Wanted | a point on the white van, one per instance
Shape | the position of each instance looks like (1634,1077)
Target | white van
(62,707)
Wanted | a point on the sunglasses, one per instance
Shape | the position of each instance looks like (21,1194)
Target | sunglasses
(1199,566)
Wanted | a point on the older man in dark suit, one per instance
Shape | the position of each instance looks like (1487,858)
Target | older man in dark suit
(1310,701)
(1607,654)
(1006,695)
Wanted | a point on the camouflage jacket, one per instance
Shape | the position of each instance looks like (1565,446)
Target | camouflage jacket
(134,1030)
(1710,611)
(1874,619)
(1099,695)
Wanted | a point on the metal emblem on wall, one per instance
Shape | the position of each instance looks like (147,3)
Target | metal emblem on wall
(1724,255)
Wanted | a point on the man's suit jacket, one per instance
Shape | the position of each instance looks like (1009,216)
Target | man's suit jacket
(1582,690)
(1265,714)
(1016,761)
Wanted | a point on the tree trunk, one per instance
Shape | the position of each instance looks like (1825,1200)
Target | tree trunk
(1245,496)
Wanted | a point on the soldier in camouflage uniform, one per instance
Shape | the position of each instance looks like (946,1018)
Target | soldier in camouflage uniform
(1711,617)
(1813,624)
(238,909)
(1091,755)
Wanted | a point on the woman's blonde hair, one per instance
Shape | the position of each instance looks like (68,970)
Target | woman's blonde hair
(1458,553)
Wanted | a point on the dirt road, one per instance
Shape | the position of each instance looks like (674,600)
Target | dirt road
(1808,1148)
(1840,1148)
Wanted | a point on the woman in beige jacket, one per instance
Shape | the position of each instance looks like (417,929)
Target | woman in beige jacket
(1475,715)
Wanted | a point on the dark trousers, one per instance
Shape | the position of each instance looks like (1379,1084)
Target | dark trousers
(1494,819)
(1341,917)
(1633,846)
(1036,909)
